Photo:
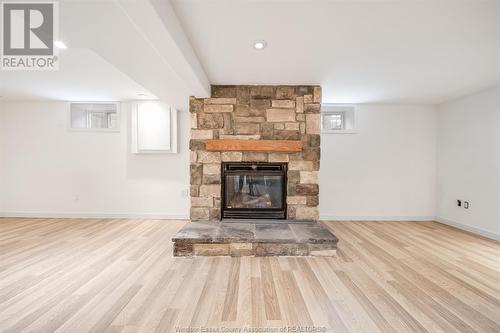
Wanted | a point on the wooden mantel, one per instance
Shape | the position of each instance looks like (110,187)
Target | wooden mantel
(284,146)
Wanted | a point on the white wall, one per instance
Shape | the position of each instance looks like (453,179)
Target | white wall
(469,162)
(386,171)
(50,171)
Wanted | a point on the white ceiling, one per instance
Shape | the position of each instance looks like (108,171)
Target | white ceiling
(359,51)
(402,51)
(82,76)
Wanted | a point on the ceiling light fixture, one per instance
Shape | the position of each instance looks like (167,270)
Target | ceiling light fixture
(141,95)
(60,45)
(259,44)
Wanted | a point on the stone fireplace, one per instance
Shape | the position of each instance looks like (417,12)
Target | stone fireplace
(255,127)
(255,153)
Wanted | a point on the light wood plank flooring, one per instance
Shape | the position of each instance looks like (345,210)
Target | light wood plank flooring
(60,275)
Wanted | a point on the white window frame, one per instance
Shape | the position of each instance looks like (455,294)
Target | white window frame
(348,118)
(109,130)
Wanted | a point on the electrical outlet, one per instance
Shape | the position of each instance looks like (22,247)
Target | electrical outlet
(466,204)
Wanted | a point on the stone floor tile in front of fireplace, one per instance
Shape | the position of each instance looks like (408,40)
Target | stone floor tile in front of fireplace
(274,233)
(251,239)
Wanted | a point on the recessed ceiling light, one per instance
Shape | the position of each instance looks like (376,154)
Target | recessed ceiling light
(259,44)
(60,45)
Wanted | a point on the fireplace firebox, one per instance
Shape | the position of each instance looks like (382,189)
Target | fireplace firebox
(254,190)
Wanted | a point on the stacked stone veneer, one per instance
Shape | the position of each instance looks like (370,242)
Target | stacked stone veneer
(256,113)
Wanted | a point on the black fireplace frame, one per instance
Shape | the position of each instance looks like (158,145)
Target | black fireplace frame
(257,168)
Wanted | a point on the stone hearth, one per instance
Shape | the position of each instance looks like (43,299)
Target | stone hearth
(254,239)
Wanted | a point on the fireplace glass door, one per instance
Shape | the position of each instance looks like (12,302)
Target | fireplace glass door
(254,190)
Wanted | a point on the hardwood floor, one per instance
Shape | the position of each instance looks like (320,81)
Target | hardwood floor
(120,276)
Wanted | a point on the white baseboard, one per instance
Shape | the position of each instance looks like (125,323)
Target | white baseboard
(376,218)
(474,230)
(47,215)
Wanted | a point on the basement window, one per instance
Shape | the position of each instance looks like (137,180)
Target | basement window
(94,116)
(337,119)
(333,121)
